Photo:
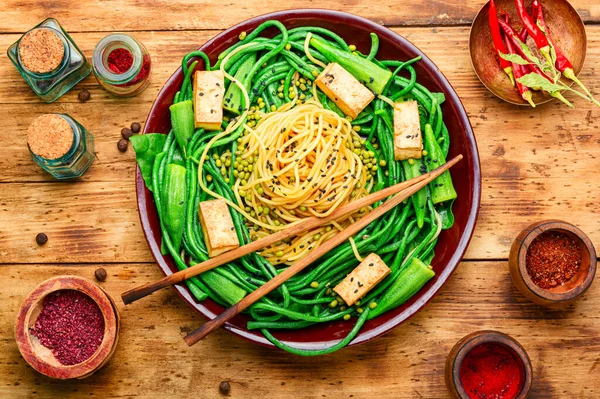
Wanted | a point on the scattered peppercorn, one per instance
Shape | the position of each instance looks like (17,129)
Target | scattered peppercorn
(41,239)
(136,127)
(122,145)
(224,387)
(83,95)
(126,133)
(100,274)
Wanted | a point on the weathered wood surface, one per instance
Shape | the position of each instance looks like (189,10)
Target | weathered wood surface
(153,361)
(536,164)
(136,15)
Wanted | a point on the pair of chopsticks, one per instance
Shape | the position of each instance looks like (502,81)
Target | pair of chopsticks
(402,191)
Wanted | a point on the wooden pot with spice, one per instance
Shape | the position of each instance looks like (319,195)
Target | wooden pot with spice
(552,263)
(488,364)
(67,327)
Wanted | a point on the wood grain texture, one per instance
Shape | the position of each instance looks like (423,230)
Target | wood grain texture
(136,15)
(536,164)
(153,361)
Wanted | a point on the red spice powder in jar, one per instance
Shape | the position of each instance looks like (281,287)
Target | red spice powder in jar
(492,371)
(119,60)
(71,325)
(552,259)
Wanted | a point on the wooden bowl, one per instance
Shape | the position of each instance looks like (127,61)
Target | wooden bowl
(559,296)
(566,29)
(452,243)
(41,358)
(463,347)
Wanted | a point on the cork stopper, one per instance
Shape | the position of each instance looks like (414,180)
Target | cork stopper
(50,136)
(41,50)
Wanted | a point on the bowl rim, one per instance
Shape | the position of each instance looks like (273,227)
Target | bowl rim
(523,103)
(470,341)
(536,230)
(104,303)
(473,154)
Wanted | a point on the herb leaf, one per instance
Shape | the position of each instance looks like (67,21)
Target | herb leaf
(514,58)
(146,147)
(534,80)
(528,54)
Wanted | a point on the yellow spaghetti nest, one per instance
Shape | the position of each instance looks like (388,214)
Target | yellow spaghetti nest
(299,163)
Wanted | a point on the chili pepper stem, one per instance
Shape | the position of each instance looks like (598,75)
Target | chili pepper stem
(528,97)
(511,76)
(558,95)
(570,74)
(546,53)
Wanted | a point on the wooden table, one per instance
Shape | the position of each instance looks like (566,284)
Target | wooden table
(537,163)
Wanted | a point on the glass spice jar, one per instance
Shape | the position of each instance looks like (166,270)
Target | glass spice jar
(49,60)
(122,65)
(60,145)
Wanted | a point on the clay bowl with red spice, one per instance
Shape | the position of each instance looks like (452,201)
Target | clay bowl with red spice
(562,294)
(566,29)
(478,353)
(42,358)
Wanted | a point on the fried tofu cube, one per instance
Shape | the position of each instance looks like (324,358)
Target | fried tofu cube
(364,277)
(408,140)
(209,90)
(344,90)
(217,227)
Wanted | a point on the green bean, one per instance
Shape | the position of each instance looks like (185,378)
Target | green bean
(398,236)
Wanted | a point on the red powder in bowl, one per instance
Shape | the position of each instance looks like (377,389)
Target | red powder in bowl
(71,325)
(492,371)
(120,60)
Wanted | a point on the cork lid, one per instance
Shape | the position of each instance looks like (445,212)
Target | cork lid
(41,50)
(50,136)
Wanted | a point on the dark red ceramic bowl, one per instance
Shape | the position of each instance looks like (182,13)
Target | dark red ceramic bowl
(466,175)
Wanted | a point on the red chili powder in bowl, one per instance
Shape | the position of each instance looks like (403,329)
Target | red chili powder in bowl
(492,371)
(71,325)
(120,60)
(553,258)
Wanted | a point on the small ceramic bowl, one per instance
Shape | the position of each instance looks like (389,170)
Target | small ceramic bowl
(558,296)
(566,28)
(464,346)
(41,358)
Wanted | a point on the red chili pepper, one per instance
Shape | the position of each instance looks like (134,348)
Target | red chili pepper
(562,62)
(512,35)
(519,72)
(498,43)
(534,31)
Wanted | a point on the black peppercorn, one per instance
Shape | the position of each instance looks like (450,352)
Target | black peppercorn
(136,127)
(224,387)
(100,274)
(122,145)
(126,133)
(41,239)
(83,95)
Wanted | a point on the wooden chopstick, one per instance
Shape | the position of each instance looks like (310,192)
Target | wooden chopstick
(327,246)
(309,224)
